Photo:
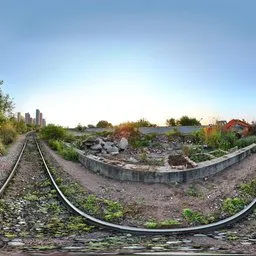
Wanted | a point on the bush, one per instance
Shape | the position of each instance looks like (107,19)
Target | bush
(219,139)
(194,217)
(54,132)
(2,149)
(249,188)
(69,154)
(63,150)
(128,129)
(233,205)
(244,142)
(7,133)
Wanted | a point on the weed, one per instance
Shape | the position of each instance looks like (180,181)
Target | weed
(233,205)
(31,197)
(2,149)
(192,191)
(7,133)
(249,188)
(76,224)
(151,224)
(162,224)
(194,217)
(65,151)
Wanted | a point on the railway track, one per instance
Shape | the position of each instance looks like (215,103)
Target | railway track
(127,229)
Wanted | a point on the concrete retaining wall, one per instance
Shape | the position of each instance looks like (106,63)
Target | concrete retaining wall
(145,130)
(204,169)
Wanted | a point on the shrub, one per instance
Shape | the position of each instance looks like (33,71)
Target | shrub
(198,137)
(249,188)
(227,140)
(67,152)
(244,142)
(220,139)
(52,131)
(7,133)
(128,129)
(233,205)
(151,224)
(194,217)
(2,148)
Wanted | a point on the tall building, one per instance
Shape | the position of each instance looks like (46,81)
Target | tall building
(38,117)
(41,119)
(27,118)
(44,123)
(18,116)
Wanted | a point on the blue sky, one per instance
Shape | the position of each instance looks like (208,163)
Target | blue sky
(87,60)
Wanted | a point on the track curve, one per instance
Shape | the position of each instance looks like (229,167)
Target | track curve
(128,229)
(143,231)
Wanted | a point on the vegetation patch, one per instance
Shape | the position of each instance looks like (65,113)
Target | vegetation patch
(152,224)
(231,206)
(194,217)
(68,153)
(247,141)
(249,189)
(101,208)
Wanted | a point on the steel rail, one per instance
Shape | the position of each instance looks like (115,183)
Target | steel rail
(2,189)
(144,231)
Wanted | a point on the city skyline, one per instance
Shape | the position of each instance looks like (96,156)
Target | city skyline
(28,119)
(126,60)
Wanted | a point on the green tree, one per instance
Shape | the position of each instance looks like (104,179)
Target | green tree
(144,123)
(171,122)
(188,121)
(79,127)
(6,104)
(104,124)
(52,131)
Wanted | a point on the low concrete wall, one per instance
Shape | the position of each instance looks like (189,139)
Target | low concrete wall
(144,130)
(204,169)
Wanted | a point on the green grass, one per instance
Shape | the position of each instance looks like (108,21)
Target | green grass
(152,224)
(244,142)
(249,189)
(68,153)
(194,217)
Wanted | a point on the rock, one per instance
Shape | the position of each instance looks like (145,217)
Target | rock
(123,144)
(97,147)
(173,242)
(111,148)
(16,242)
(133,160)
(100,141)
(134,247)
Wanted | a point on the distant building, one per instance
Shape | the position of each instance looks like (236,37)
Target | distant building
(38,117)
(44,123)
(41,119)
(19,116)
(27,118)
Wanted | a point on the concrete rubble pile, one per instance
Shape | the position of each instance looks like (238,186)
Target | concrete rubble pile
(105,145)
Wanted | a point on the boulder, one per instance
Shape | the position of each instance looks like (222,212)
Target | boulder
(123,144)
(96,147)
(111,148)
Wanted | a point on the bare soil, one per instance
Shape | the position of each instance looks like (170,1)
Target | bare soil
(179,160)
(160,201)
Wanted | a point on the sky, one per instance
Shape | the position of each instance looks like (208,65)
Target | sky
(122,60)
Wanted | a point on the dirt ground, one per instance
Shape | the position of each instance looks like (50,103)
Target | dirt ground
(160,201)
